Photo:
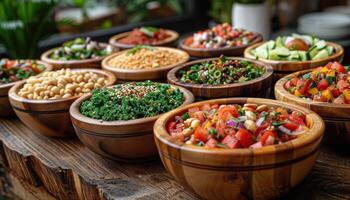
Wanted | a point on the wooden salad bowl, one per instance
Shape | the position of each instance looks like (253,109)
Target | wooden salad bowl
(215,52)
(142,74)
(261,173)
(128,141)
(258,87)
(336,116)
(282,68)
(86,63)
(168,42)
(5,106)
(48,117)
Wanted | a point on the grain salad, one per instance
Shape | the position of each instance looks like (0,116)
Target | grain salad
(146,57)
(63,83)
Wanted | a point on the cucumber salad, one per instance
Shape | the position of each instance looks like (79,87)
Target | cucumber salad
(294,48)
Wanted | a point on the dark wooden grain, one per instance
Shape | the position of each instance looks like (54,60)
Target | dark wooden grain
(85,175)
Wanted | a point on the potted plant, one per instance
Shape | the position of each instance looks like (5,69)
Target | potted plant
(253,15)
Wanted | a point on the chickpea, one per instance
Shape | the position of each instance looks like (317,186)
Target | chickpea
(250,115)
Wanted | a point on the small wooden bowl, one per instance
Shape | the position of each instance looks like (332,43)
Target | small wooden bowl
(130,141)
(215,52)
(142,74)
(261,173)
(48,117)
(87,63)
(282,68)
(258,87)
(336,116)
(5,106)
(168,42)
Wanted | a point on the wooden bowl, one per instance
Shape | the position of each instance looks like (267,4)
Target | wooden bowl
(168,42)
(261,173)
(5,106)
(336,116)
(48,117)
(215,52)
(142,74)
(282,68)
(258,87)
(130,140)
(87,63)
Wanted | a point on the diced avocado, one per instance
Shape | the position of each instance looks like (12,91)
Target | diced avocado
(321,45)
(303,55)
(294,55)
(262,52)
(280,42)
(330,50)
(320,55)
(271,44)
(282,52)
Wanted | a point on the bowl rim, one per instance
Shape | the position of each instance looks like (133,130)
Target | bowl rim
(48,67)
(172,74)
(114,40)
(257,40)
(106,66)
(279,87)
(339,52)
(77,115)
(13,91)
(45,57)
(163,136)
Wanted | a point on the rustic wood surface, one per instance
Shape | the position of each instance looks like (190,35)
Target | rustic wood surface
(67,170)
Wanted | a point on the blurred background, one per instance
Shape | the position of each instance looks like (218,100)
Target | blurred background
(27,28)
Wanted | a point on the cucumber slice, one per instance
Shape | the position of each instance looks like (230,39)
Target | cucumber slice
(282,52)
(280,42)
(271,44)
(303,55)
(321,45)
(330,50)
(313,51)
(273,55)
(294,55)
(321,55)
(308,39)
(262,52)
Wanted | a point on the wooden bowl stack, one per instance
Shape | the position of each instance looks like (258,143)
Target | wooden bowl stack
(48,117)
(130,140)
(336,116)
(258,87)
(262,173)
(168,42)
(5,106)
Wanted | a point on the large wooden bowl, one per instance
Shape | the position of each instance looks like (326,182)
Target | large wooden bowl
(215,52)
(168,42)
(130,141)
(261,173)
(48,117)
(282,68)
(5,106)
(259,87)
(336,116)
(87,63)
(142,74)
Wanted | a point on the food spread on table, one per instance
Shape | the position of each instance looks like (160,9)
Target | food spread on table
(329,83)
(221,35)
(145,36)
(80,49)
(221,71)
(133,100)
(146,57)
(294,48)
(60,84)
(16,70)
(234,126)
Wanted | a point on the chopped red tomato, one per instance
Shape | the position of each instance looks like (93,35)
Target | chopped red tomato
(201,134)
(339,67)
(231,142)
(211,143)
(205,107)
(268,138)
(245,137)
(192,110)
(227,112)
(342,85)
(323,84)
(200,116)
(291,126)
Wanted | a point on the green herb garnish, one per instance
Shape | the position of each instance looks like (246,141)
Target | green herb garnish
(138,48)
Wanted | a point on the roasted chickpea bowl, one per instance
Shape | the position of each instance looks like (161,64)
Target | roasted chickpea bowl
(42,102)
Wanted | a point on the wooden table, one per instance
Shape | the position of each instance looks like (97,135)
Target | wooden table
(38,167)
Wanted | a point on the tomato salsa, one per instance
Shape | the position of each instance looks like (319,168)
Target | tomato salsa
(234,126)
(330,83)
(145,36)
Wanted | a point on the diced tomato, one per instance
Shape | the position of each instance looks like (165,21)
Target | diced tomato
(231,142)
(313,77)
(226,112)
(303,86)
(335,91)
(294,81)
(205,107)
(191,111)
(297,117)
(329,65)
(323,84)
(339,67)
(201,134)
(268,138)
(211,143)
(245,137)
(291,126)
(200,116)
(215,106)
(220,127)
(9,63)
(342,85)
(171,126)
